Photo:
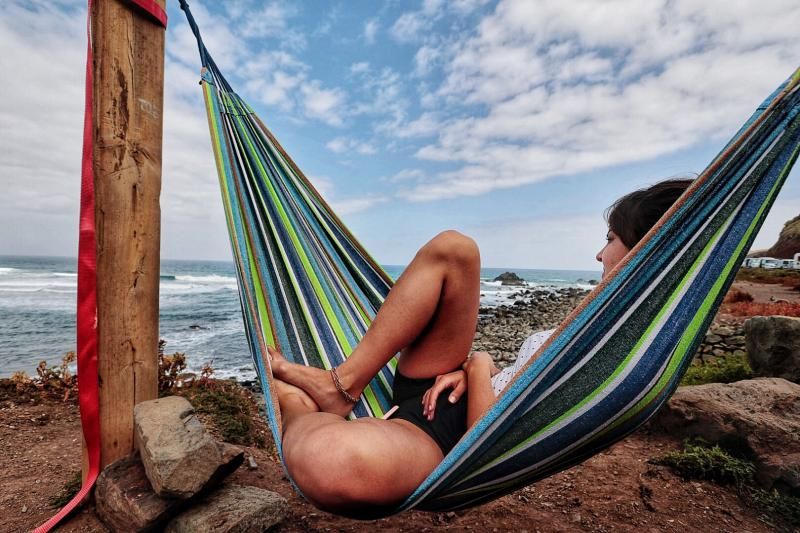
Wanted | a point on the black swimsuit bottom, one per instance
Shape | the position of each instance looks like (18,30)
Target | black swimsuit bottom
(450,419)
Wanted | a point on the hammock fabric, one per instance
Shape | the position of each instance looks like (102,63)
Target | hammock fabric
(309,288)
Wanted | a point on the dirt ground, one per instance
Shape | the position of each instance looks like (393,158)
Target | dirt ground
(617,490)
(763,293)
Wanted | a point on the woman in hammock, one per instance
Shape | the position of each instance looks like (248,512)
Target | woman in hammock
(429,317)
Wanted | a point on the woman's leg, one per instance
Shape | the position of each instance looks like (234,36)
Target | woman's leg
(342,466)
(430,314)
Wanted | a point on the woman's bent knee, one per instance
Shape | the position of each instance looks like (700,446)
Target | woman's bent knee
(455,247)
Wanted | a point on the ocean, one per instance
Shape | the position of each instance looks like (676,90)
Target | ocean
(199,309)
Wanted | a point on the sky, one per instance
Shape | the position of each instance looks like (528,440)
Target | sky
(517,122)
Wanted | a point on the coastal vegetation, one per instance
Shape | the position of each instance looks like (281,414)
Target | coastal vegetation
(721,370)
(228,409)
(698,460)
(778,276)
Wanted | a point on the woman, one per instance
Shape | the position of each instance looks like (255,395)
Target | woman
(429,317)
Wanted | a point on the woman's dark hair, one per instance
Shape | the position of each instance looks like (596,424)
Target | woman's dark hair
(632,216)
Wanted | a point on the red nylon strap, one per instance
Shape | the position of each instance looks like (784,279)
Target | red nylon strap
(88,390)
(153,9)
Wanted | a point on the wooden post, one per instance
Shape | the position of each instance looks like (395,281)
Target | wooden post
(128,101)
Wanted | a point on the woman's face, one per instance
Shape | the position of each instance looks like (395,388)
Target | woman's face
(612,253)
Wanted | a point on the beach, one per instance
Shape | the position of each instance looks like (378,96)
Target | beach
(619,489)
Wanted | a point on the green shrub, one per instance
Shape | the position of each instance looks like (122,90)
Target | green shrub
(229,407)
(776,504)
(68,491)
(698,461)
(723,370)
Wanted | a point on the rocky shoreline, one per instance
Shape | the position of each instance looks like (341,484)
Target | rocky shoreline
(502,330)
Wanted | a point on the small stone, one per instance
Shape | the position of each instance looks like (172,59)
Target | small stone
(736,340)
(251,463)
(232,508)
(24,508)
(713,339)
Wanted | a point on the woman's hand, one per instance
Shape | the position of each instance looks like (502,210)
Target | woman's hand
(456,380)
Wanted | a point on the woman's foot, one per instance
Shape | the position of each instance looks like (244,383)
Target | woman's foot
(317,383)
(287,393)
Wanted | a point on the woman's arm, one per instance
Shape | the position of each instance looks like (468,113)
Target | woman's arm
(476,376)
(479,369)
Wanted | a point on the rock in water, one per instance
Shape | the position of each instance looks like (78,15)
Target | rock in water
(773,346)
(178,454)
(125,501)
(232,508)
(509,278)
(758,416)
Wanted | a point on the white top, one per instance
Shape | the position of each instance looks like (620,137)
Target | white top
(529,347)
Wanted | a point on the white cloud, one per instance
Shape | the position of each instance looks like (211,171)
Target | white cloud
(413,26)
(42,116)
(370,30)
(326,105)
(546,88)
(271,21)
(409,26)
(357,205)
(425,58)
(425,125)
(359,68)
(383,95)
(345,206)
(341,145)
(405,175)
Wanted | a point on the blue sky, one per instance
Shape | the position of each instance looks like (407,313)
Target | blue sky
(515,121)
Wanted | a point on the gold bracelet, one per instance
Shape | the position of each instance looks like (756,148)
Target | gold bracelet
(338,384)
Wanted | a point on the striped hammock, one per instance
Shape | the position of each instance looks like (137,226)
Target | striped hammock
(308,287)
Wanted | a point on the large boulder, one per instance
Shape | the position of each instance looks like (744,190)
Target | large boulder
(179,455)
(232,508)
(773,346)
(759,417)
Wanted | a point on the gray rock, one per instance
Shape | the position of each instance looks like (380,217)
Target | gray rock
(179,455)
(125,501)
(773,346)
(736,340)
(232,508)
(760,417)
(723,331)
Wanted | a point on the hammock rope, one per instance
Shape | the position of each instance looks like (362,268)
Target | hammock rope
(308,287)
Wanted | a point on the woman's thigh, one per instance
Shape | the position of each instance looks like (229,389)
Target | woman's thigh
(342,466)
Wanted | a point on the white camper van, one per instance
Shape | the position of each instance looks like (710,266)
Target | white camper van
(770,263)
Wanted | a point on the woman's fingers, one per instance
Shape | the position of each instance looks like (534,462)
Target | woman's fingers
(432,396)
(458,391)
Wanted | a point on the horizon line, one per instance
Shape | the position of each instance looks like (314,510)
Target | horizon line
(229,261)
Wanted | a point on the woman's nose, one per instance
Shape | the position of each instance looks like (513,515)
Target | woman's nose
(599,255)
